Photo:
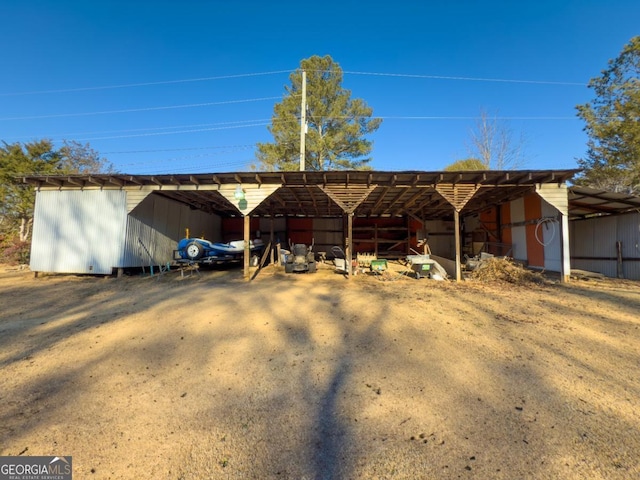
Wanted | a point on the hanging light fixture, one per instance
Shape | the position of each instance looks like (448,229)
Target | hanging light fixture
(239,193)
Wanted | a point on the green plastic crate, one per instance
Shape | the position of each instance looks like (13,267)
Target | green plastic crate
(378,265)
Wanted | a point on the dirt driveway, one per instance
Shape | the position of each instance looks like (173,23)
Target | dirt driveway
(318,377)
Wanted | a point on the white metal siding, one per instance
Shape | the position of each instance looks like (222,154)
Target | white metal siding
(518,234)
(76,231)
(155,226)
(134,197)
(629,235)
(555,195)
(593,245)
(550,234)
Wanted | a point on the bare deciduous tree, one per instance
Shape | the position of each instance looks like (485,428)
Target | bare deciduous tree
(492,142)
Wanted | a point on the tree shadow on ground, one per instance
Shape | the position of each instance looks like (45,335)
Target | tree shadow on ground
(288,377)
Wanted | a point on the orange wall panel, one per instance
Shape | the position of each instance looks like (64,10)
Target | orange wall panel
(533,211)
(505,218)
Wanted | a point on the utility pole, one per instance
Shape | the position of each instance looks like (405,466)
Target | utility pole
(303,120)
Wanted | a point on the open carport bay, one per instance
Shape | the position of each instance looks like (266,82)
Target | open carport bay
(316,376)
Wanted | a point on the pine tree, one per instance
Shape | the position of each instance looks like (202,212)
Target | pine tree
(336,124)
(613,124)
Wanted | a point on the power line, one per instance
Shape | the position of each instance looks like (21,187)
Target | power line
(239,147)
(277,72)
(470,118)
(214,166)
(155,134)
(147,109)
(63,135)
(470,79)
(266,122)
(155,161)
(144,84)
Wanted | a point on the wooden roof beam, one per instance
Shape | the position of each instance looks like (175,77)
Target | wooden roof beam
(95,181)
(408,203)
(116,181)
(54,181)
(381,198)
(75,181)
(593,207)
(480,178)
(297,199)
(313,199)
(625,200)
(157,181)
(276,198)
(430,203)
(394,201)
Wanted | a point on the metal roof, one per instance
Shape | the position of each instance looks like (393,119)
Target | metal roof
(589,202)
(385,193)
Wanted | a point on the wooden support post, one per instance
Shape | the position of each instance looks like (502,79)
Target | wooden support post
(271,239)
(375,239)
(247,249)
(408,234)
(349,244)
(566,252)
(457,196)
(456,221)
(619,269)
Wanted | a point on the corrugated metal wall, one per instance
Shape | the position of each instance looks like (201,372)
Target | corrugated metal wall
(78,231)
(629,235)
(593,245)
(536,241)
(442,239)
(550,233)
(279,230)
(155,226)
(557,254)
(327,233)
(518,233)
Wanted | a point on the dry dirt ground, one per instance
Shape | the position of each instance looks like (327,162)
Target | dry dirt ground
(314,376)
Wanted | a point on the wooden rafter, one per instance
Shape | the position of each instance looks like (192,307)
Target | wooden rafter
(348,197)
(457,195)
(394,201)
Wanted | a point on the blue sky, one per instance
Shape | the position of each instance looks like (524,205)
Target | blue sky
(169,86)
